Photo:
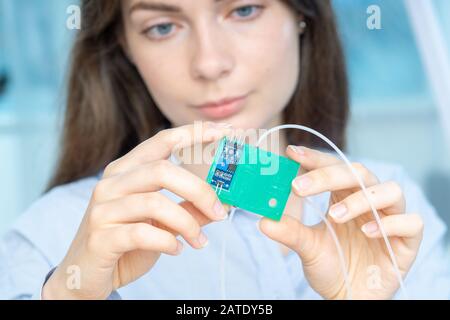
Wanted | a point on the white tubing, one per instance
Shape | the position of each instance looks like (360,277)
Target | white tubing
(338,247)
(360,182)
(227,226)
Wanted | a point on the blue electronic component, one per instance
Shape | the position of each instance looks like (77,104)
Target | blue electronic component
(226,165)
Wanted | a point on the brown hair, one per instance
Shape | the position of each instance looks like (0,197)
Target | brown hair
(109,109)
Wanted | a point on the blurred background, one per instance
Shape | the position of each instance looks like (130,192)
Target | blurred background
(400,87)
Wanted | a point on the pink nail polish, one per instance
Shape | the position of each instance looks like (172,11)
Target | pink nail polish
(298,150)
(179,247)
(257,225)
(220,211)
(302,184)
(338,211)
(203,240)
(370,227)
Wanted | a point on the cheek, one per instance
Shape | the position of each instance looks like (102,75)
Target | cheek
(281,53)
(277,65)
(160,75)
(161,69)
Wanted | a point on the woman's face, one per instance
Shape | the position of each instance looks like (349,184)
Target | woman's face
(234,61)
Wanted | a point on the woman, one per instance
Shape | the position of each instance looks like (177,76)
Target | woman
(143,71)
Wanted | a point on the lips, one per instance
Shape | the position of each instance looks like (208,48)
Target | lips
(224,108)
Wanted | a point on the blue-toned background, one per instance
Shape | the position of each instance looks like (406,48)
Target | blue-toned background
(395,114)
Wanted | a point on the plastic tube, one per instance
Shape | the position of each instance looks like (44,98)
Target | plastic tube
(223,289)
(338,247)
(322,216)
(361,184)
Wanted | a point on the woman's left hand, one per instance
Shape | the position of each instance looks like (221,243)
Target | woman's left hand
(369,266)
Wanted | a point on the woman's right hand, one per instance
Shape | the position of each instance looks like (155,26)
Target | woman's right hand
(129,223)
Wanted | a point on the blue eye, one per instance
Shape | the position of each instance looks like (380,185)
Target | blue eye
(160,30)
(247,11)
(164,29)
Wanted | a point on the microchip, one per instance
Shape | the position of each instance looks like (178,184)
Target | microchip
(241,177)
(226,165)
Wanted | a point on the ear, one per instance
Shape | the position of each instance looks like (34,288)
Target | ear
(301,23)
(302,27)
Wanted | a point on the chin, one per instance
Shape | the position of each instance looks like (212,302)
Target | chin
(247,120)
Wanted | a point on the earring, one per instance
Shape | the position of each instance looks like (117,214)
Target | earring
(302,25)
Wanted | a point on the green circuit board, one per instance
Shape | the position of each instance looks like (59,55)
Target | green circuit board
(252,179)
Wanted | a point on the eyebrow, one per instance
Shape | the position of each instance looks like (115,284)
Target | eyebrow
(157,6)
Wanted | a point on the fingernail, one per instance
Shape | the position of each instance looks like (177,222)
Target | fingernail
(179,247)
(338,211)
(370,227)
(257,225)
(203,240)
(299,150)
(220,211)
(302,184)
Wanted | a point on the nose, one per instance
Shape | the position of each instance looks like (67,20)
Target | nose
(211,59)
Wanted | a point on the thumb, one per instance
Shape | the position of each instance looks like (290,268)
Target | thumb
(293,234)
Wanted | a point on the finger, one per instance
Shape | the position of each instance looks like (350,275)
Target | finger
(409,227)
(386,196)
(163,212)
(201,219)
(332,178)
(311,159)
(159,175)
(165,142)
(292,234)
(130,237)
